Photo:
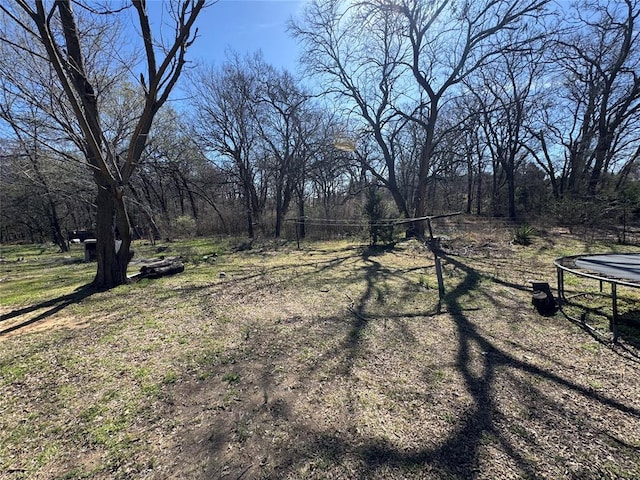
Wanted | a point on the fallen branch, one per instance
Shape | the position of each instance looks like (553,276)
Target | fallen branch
(160,268)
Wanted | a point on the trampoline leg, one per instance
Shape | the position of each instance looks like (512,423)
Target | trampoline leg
(614,318)
(560,284)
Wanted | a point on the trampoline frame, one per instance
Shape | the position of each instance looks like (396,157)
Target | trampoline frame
(614,281)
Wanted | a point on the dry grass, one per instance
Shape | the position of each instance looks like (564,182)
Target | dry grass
(324,362)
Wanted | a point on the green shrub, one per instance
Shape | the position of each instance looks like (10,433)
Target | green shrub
(375,210)
(523,234)
(183,226)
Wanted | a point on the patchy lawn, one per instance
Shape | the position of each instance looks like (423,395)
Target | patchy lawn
(330,361)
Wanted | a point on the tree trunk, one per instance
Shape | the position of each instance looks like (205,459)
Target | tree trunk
(249,212)
(420,203)
(469,187)
(112,264)
(279,210)
(283,200)
(56,230)
(479,190)
(600,156)
(301,225)
(494,189)
(192,199)
(576,172)
(511,193)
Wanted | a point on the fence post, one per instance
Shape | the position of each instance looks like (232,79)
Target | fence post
(434,246)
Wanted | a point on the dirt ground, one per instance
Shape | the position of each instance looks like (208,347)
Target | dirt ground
(333,361)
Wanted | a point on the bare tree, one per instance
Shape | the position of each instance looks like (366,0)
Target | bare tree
(358,56)
(173,179)
(226,103)
(450,41)
(328,171)
(600,59)
(408,58)
(505,94)
(587,120)
(42,197)
(58,33)
(286,129)
(473,149)
(31,151)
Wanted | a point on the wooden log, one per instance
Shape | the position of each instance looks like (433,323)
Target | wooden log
(160,268)
(158,264)
(160,271)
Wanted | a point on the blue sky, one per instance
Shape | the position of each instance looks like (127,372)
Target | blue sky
(244,26)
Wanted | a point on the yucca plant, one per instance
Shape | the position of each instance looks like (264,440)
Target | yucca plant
(523,234)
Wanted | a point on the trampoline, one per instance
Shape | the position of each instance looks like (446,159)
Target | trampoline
(613,268)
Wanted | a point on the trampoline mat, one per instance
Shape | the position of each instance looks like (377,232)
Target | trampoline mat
(620,266)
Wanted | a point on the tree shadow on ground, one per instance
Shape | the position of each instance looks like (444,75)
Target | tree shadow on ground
(50,308)
(629,327)
(374,273)
(478,360)
(627,344)
(458,455)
